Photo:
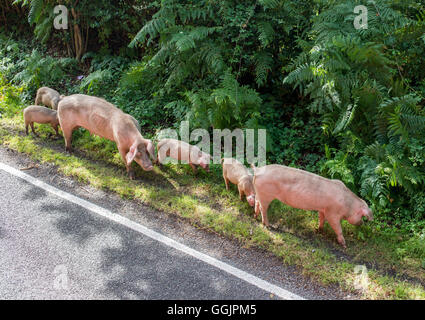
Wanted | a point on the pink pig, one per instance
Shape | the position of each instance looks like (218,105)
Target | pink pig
(107,121)
(183,151)
(40,114)
(304,190)
(236,173)
(48,97)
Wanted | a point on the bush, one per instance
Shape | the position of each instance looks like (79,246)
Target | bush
(10,98)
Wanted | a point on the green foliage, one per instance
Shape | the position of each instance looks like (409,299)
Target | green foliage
(95,82)
(38,71)
(228,106)
(356,84)
(208,50)
(294,138)
(10,98)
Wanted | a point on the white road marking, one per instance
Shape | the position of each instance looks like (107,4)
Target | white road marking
(260,283)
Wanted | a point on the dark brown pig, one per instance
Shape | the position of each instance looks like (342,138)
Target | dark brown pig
(183,151)
(107,121)
(40,114)
(48,97)
(237,173)
(304,190)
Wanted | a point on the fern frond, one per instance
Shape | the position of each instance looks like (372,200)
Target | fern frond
(263,65)
(36,7)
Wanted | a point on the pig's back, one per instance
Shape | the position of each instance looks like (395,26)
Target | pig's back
(48,91)
(235,170)
(92,113)
(39,114)
(177,149)
(301,189)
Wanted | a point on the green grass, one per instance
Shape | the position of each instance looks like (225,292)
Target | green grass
(204,201)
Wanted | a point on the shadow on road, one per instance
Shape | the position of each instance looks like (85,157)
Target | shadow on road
(135,266)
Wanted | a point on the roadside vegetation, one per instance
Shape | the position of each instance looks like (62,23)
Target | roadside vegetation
(336,101)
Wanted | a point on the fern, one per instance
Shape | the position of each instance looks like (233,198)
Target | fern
(266,33)
(152,29)
(36,8)
(263,65)
(92,83)
(269,4)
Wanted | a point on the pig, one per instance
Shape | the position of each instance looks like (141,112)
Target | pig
(183,151)
(40,114)
(237,173)
(304,190)
(48,97)
(107,121)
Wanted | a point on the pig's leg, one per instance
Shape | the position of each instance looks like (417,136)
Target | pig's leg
(55,127)
(264,207)
(226,182)
(193,168)
(32,127)
(225,179)
(241,193)
(67,134)
(335,224)
(264,203)
(130,171)
(321,220)
(159,158)
(26,128)
(257,209)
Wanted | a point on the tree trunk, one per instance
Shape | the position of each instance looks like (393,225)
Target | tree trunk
(78,39)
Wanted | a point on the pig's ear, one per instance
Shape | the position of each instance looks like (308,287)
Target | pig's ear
(205,160)
(150,148)
(366,212)
(131,154)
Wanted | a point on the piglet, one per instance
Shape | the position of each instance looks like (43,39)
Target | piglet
(40,114)
(237,173)
(48,97)
(183,151)
(308,191)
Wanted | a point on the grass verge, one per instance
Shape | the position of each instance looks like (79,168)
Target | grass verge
(394,260)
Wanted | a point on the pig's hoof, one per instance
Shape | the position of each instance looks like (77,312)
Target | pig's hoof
(131,175)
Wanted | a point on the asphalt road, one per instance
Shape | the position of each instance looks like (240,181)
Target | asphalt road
(51,248)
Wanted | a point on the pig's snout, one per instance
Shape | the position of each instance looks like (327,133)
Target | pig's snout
(204,166)
(149,168)
(369,215)
(251,200)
